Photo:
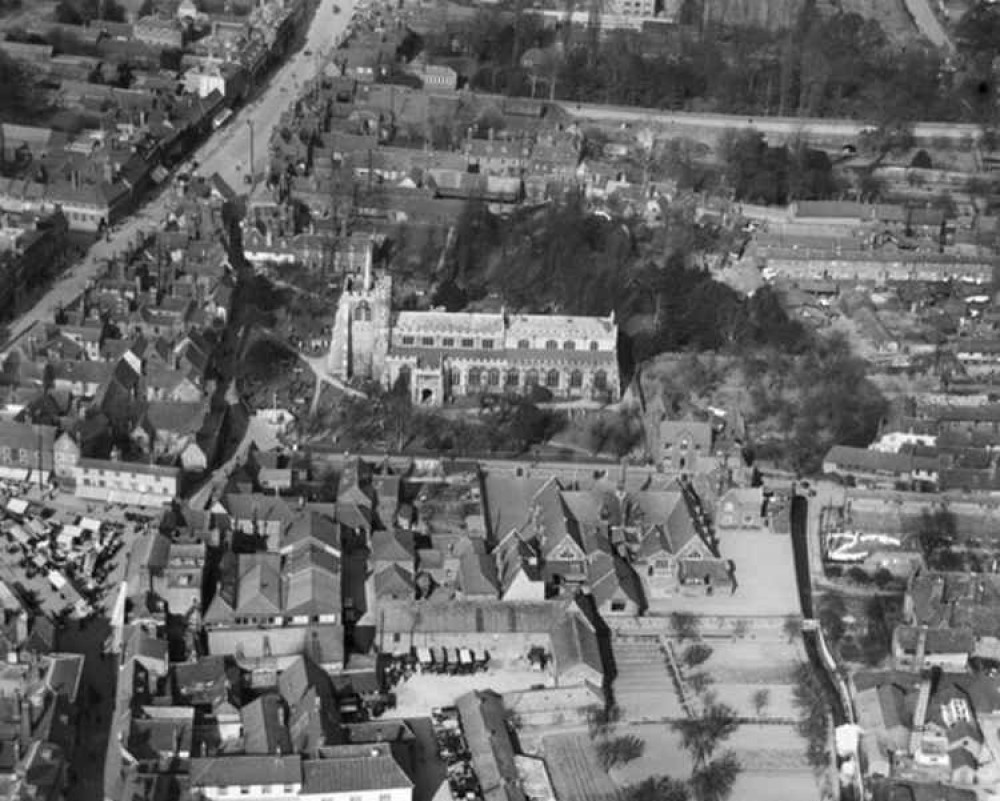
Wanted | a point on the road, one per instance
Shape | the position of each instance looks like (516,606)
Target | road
(929,24)
(225,152)
(678,123)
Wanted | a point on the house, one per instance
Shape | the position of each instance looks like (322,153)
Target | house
(355,772)
(742,507)
(246,776)
(681,443)
(26,451)
(881,469)
(269,604)
(614,586)
(172,570)
(112,481)
(518,570)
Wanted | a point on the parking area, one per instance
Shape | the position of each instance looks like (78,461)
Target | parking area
(417,695)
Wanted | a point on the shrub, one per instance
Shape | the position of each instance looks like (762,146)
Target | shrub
(696,654)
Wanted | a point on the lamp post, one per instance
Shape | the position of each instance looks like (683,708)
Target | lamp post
(253,173)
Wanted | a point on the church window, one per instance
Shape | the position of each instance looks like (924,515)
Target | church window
(594,346)
(523,344)
(493,378)
(569,344)
(474,376)
(551,345)
(513,378)
(552,379)
(600,380)
(576,379)
(531,378)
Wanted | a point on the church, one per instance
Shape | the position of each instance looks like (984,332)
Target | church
(444,356)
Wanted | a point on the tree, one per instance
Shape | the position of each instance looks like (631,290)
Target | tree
(701,735)
(936,531)
(792,627)
(658,788)
(760,700)
(620,750)
(67,13)
(696,654)
(922,160)
(686,625)
(700,682)
(714,780)
(831,617)
(602,719)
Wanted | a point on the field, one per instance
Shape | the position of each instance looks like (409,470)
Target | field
(890,14)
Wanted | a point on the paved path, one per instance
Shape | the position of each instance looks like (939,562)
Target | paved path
(678,123)
(929,24)
(225,152)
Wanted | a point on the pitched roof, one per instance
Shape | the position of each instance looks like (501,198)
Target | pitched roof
(477,573)
(176,417)
(263,730)
(244,771)
(354,769)
(312,586)
(574,644)
(309,526)
(393,545)
(608,576)
(394,581)
(485,727)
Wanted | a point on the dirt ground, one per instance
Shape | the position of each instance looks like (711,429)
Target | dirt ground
(773,759)
(423,692)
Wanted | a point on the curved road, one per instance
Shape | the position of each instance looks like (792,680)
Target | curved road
(225,152)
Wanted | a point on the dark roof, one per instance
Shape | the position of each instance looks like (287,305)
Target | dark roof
(243,771)
(485,727)
(263,730)
(354,769)
(574,644)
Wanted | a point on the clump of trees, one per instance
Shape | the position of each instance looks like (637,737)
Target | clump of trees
(714,775)
(837,65)
(620,750)
(759,173)
(813,707)
(82,12)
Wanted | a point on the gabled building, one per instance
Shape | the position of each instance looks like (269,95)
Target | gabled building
(269,604)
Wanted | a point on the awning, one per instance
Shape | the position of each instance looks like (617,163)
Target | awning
(14,473)
(17,506)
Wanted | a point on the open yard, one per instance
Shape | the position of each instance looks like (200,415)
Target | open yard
(773,759)
(765,575)
(423,692)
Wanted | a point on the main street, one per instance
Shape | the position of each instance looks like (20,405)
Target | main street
(227,152)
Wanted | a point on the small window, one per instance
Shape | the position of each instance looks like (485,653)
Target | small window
(468,343)
(569,344)
(427,342)
(408,340)
(551,345)
(594,346)
(523,344)
(487,344)
(617,606)
(396,637)
(448,342)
